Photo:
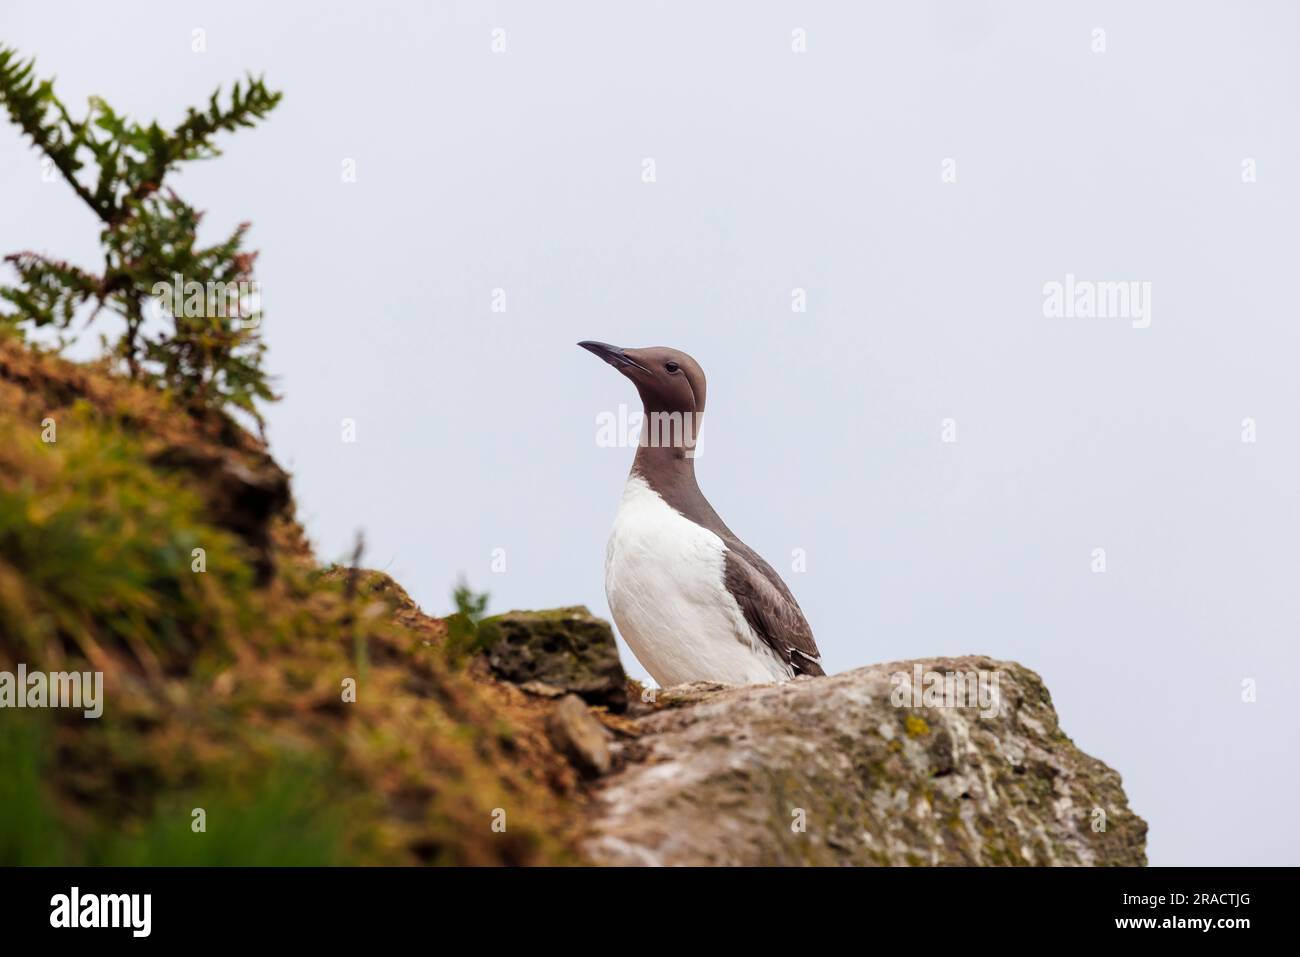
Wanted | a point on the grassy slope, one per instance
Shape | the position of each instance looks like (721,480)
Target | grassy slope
(224,688)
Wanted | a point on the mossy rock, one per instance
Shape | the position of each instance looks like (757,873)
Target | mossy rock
(569,649)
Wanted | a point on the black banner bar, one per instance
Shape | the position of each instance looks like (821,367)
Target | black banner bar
(330,907)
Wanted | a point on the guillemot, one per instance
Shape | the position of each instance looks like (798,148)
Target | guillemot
(693,601)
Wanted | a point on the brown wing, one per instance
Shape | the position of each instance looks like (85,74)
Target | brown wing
(771,610)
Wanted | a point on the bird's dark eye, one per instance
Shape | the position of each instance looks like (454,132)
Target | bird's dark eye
(671,366)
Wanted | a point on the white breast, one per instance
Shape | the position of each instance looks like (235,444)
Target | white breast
(664,582)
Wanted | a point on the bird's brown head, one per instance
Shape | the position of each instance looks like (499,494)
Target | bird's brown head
(667,380)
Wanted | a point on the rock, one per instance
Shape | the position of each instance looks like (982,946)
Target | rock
(579,736)
(566,648)
(832,771)
(679,695)
(542,690)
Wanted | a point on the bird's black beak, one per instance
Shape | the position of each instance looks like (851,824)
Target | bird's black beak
(612,354)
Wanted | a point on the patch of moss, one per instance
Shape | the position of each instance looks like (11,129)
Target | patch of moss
(98,551)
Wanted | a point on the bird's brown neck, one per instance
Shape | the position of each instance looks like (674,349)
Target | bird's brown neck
(665,460)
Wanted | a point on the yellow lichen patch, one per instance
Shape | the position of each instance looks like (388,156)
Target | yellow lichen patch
(916,726)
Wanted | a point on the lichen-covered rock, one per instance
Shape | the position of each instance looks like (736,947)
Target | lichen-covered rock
(565,648)
(849,770)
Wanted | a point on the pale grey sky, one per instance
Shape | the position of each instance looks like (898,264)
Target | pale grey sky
(775,170)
